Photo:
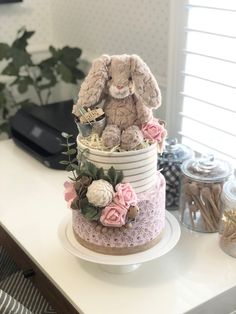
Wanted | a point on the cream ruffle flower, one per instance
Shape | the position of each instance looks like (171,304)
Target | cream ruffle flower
(100,193)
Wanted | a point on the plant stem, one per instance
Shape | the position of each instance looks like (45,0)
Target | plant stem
(48,95)
(12,97)
(37,90)
(73,172)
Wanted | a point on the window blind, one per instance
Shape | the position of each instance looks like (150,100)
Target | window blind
(208,78)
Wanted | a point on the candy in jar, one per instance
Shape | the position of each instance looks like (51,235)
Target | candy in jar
(227,230)
(169,162)
(201,187)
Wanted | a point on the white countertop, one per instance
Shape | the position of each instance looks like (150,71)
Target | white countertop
(31,209)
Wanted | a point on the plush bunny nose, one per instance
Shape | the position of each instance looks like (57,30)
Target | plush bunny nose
(119,86)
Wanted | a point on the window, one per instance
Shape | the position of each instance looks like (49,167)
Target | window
(202,76)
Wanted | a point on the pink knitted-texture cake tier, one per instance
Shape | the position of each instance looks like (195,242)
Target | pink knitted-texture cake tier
(147,226)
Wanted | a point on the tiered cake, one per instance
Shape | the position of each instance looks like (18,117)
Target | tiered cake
(117,195)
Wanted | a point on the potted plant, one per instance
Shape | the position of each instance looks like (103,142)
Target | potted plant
(23,72)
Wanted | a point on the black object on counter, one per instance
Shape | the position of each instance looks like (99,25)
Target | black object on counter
(169,162)
(37,130)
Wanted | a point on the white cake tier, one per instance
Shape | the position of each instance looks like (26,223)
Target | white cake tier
(139,166)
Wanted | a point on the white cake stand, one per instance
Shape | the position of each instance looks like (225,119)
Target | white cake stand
(124,263)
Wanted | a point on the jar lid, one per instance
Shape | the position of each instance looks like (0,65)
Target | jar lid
(229,190)
(175,152)
(206,169)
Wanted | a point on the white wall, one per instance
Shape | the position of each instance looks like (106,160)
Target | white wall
(96,26)
(116,27)
(35,14)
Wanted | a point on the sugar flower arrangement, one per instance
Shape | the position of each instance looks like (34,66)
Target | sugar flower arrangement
(100,196)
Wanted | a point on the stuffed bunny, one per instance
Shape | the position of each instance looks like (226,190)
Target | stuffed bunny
(129,91)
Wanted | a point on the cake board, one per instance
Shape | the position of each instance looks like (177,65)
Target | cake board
(124,263)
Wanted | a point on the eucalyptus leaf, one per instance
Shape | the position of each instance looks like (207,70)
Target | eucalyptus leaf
(66,135)
(64,162)
(68,144)
(71,151)
(75,167)
(69,168)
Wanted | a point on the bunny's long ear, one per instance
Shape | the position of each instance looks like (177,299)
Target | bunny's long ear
(146,87)
(91,90)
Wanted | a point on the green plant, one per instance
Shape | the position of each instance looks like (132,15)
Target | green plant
(24,72)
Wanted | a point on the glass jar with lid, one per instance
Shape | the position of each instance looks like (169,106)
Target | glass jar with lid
(169,162)
(201,187)
(227,229)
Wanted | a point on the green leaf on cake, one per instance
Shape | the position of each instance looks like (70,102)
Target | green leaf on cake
(92,169)
(89,211)
(119,177)
(113,176)
(75,203)
(112,173)
(75,167)
(92,214)
(88,169)
(83,174)
(100,173)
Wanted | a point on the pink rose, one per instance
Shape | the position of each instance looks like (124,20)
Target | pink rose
(113,215)
(69,193)
(153,130)
(125,195)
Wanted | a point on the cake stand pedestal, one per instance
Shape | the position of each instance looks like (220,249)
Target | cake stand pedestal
(119,269)
(120,263)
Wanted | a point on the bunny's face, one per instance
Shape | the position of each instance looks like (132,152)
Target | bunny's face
(120,83)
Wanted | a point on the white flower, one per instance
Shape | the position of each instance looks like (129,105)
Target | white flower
(100,193)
